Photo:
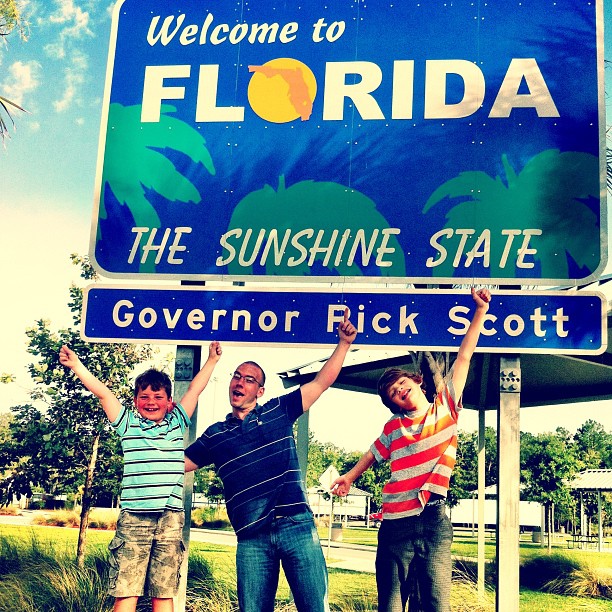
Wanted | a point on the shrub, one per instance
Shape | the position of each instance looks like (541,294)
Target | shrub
(466,570)
(537,571)
(99,518)
(583,582)
(9,557)
(322,521)
(9,510)
(42,576)
(103,518)
(58,518)
(210,518)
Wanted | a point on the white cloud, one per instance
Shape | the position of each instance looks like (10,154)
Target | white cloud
(22,78)
(74,78)
(55,50)
(71,15)
(73,25)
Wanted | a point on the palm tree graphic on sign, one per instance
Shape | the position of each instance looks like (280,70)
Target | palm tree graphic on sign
(135,163)
(550,194)
(320,206)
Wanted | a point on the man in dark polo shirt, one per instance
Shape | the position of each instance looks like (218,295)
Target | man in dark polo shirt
(254,454)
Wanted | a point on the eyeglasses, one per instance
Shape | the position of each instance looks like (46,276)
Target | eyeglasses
(247,379)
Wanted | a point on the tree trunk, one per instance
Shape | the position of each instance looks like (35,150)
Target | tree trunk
(86,505)
(551,527)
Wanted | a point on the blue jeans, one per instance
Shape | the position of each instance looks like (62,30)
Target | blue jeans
(294,542)
(414,556)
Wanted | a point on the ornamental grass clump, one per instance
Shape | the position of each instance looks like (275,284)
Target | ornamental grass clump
(210,518)
(539,571)
(58,518)
(39,575)
(582,582)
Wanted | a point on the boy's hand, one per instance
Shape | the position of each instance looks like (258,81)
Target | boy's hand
(346,330)
(341,486)
(68,358)
(215,350)
(482,297)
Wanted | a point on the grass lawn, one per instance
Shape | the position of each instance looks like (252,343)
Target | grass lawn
(466,546)
(349,591)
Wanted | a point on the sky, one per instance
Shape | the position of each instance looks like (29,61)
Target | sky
(47,171)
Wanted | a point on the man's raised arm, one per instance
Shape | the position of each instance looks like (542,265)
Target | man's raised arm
(327,375)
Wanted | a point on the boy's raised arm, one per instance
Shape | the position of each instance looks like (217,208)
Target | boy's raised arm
(109,401)
(482,297)
(189,401)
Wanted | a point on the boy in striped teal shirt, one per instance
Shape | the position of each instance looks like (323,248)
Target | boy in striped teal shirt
(147,550)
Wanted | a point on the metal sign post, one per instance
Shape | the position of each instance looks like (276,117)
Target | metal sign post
(508,485)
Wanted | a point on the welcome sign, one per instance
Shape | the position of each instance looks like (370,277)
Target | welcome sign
(429,141)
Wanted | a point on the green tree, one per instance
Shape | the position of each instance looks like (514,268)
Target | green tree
(593,445)
(66,445)
(11,20)
(548,464)
(208,483)
(594,451)
(320,456)
(464,480)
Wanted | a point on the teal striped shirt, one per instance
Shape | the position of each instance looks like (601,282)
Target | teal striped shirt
(153,460)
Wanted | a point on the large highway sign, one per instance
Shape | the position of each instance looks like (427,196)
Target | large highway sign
(316,140)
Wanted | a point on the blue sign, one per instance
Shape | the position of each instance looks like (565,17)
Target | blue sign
(517,322)
(434,141)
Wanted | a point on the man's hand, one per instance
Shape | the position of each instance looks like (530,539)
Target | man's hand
(215,350)
(346,330)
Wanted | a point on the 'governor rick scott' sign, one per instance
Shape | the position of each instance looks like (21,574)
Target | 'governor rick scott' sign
(423,140)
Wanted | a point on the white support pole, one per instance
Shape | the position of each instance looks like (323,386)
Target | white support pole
(508,486)
(481,562)
(481,504)
(600,527)
(302,443)
(187,365)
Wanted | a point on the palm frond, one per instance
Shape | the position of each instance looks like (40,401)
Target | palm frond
(4,101)
(6,105)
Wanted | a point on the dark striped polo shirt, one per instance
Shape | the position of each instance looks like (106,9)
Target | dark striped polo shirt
(256,458)
(153,460)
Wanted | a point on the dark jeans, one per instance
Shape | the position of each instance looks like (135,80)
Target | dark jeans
(415,551)
(293,542)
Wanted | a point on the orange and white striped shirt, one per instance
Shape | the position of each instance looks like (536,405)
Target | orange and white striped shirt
(422,449)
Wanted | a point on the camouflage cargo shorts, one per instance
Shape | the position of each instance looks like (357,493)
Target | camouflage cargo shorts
(146,554)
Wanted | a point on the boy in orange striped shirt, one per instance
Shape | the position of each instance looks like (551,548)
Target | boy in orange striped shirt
(420,441)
